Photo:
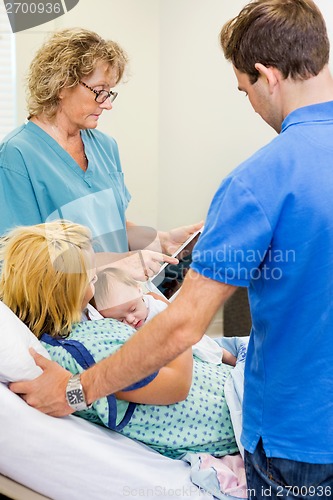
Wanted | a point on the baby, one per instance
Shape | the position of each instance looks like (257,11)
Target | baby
(120,297)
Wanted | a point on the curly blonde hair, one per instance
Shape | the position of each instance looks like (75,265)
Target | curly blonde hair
(44,274)
(67,57)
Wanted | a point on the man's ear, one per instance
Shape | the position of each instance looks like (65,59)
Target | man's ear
(270,74)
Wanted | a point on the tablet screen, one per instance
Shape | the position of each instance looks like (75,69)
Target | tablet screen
(171,277)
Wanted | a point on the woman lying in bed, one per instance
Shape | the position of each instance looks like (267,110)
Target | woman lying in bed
(47,279)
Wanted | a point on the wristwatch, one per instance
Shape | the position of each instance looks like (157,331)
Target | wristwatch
(75,395)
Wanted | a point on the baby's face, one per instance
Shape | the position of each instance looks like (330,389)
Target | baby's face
(126,305)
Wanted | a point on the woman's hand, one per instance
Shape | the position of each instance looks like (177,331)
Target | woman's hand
(172,240)
(141,264)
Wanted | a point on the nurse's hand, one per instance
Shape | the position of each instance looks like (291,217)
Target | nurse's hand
(141,264)
(172,240)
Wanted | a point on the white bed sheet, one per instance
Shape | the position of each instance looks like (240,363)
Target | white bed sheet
(71,459)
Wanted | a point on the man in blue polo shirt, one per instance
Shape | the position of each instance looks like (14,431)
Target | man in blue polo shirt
(270,229)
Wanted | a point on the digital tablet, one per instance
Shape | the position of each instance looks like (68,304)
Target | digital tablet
(171,276)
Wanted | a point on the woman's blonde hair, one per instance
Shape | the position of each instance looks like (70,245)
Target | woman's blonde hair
(44,274)
(67,57)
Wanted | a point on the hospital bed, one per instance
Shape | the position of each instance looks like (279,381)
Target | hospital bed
(70,458)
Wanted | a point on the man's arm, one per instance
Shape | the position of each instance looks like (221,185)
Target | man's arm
(163,338)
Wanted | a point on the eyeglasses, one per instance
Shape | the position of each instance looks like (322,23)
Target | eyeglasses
(101,95)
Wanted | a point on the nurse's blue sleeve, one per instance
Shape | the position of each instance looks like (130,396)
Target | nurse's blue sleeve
(18,205)
(236,236)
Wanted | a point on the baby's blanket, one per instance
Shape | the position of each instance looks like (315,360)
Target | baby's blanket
(225,477)
(234,386)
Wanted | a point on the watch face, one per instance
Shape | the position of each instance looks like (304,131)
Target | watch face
(75,396)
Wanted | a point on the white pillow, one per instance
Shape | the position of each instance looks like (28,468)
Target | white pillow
(16,363)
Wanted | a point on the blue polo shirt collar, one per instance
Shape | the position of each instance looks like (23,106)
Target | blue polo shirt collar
(314,113)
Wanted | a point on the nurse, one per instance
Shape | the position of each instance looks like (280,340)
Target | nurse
(57,165)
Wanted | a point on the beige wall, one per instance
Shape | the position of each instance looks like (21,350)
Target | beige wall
(179,120)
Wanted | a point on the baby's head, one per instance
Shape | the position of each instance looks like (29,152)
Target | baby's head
(119,296)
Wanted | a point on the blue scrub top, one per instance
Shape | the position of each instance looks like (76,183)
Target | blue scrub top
(40,181)
(270,228)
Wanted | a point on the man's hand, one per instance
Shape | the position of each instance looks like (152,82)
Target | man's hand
(46,393)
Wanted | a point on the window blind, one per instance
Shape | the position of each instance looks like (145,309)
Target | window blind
(7,72)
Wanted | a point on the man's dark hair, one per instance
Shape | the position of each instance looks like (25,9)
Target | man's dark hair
(289,35)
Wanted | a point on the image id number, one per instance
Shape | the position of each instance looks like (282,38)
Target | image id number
(33,8)
(304,491)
